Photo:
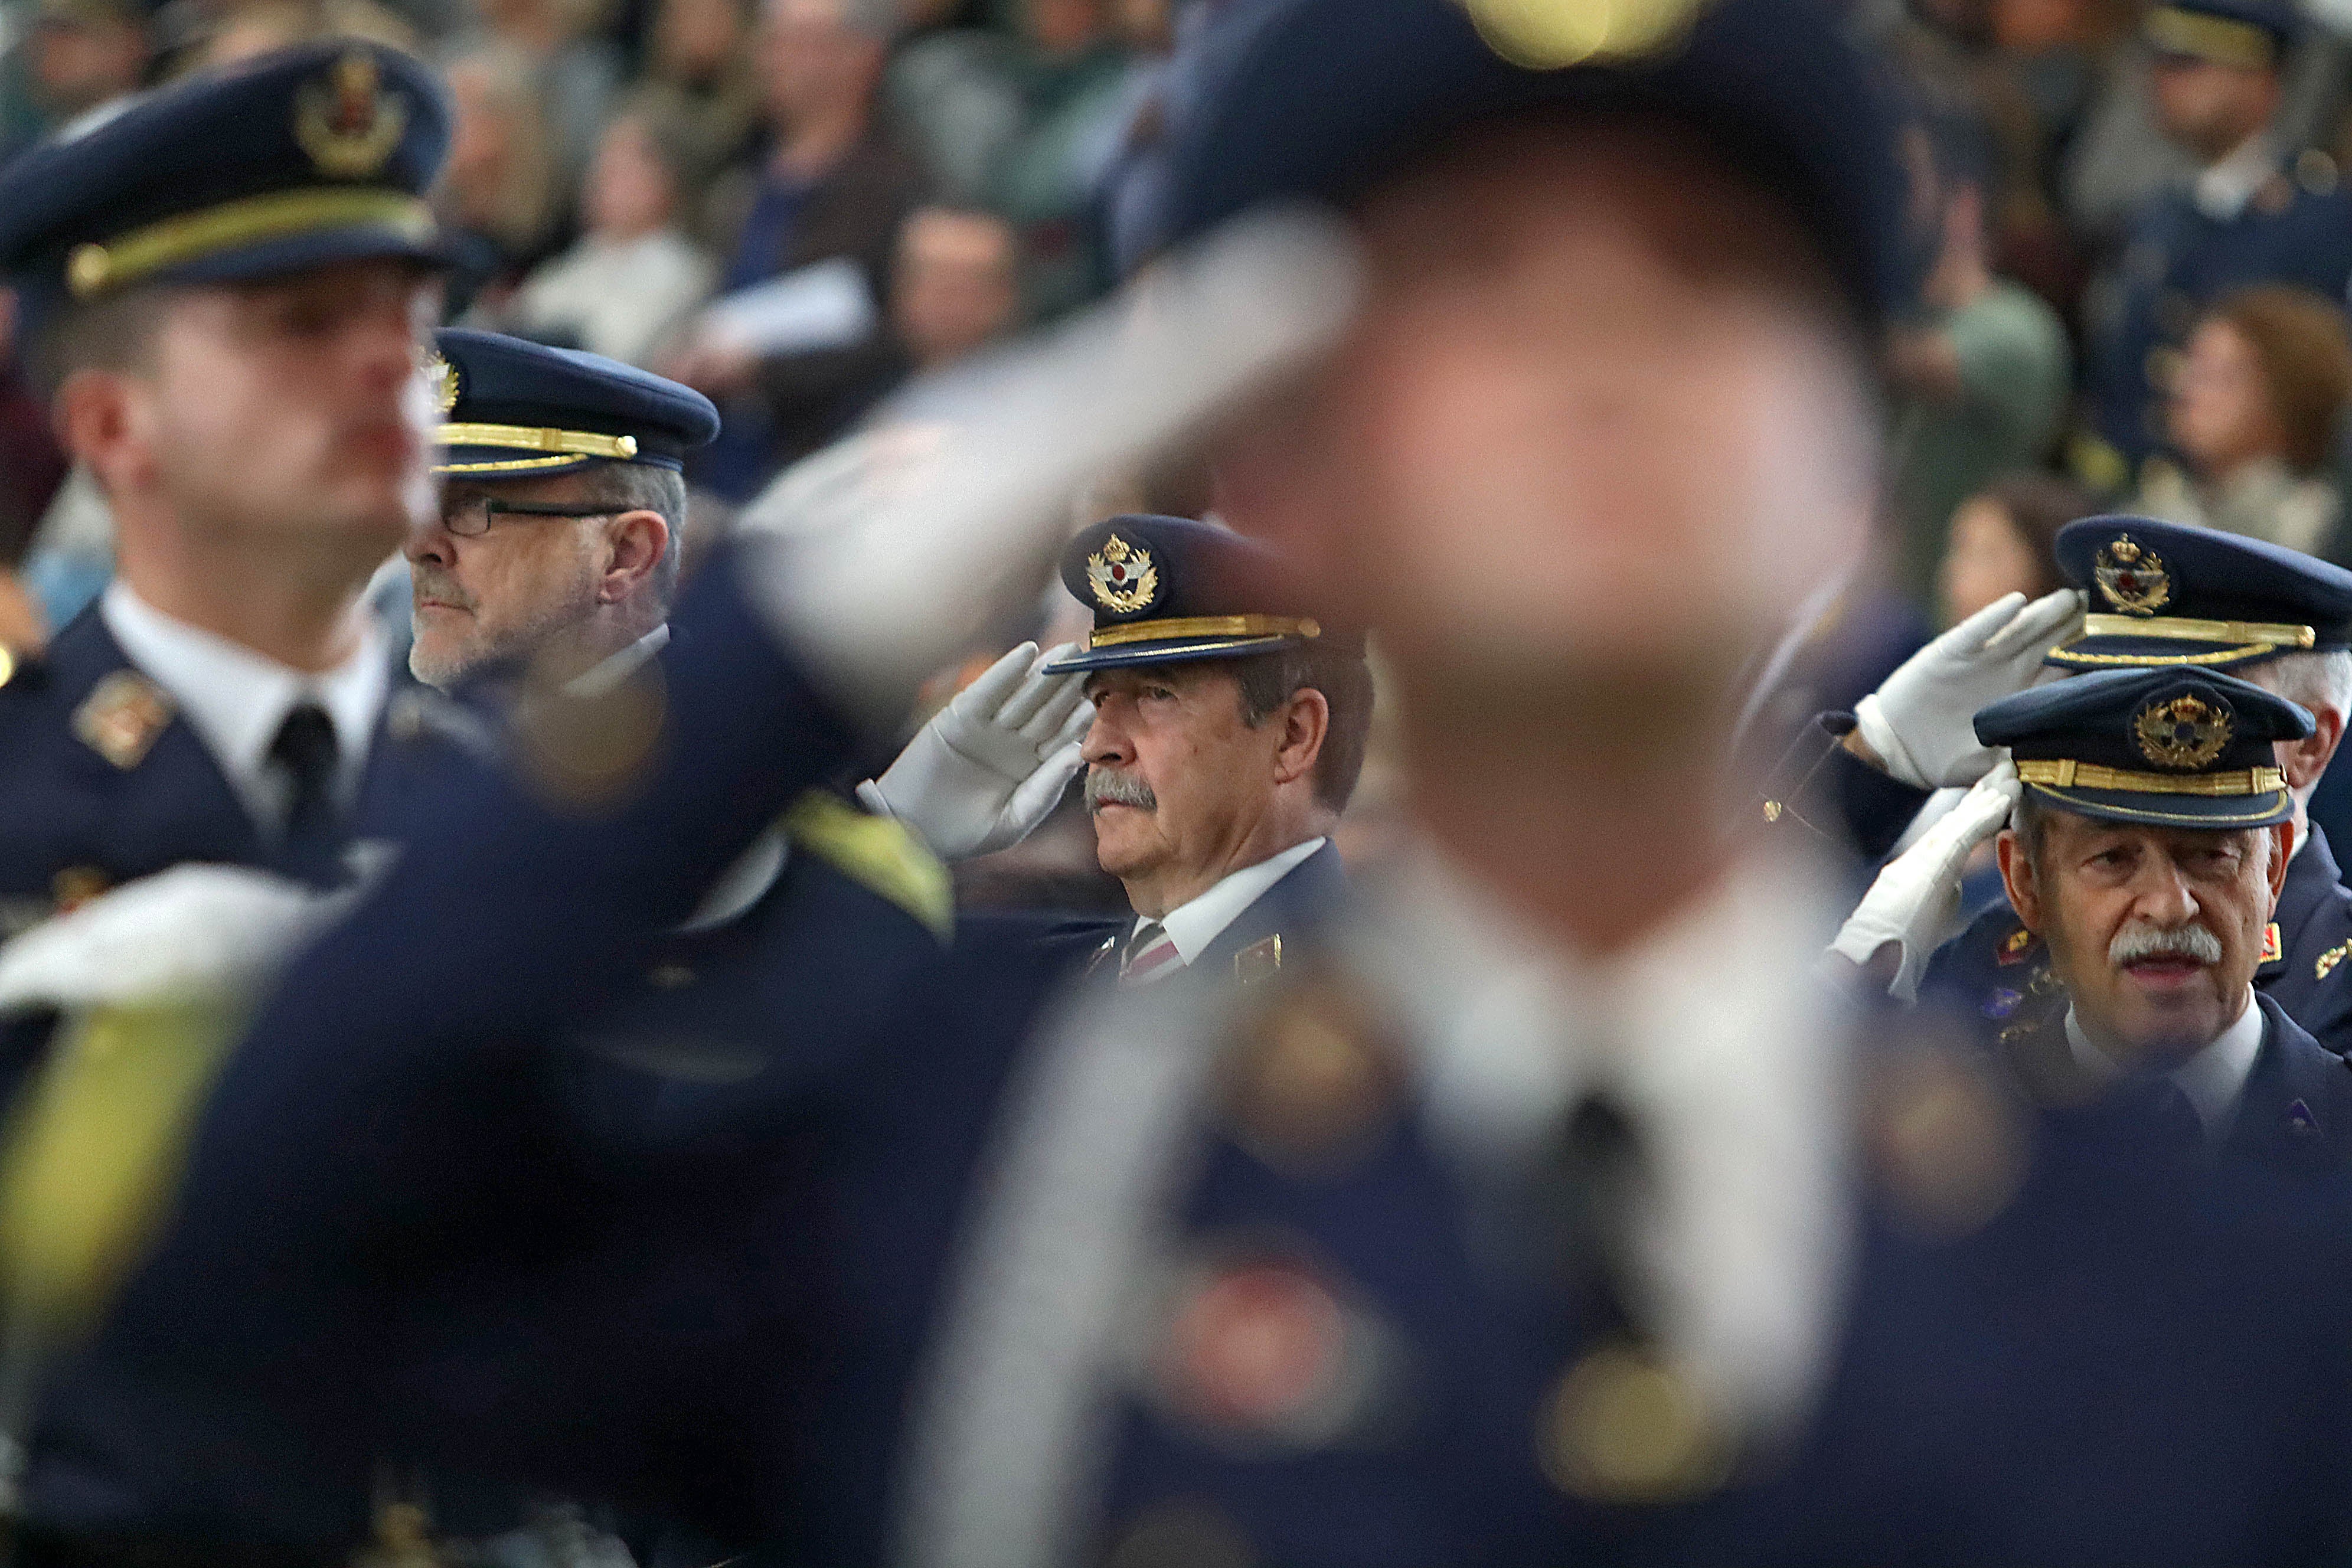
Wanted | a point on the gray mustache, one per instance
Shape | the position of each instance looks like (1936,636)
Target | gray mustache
(2135,942)
(1105,787)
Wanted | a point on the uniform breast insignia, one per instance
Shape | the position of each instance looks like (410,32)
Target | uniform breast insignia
(1260,960)
(1123,577)
(2015,948)
(2131,578)
(1260,1351)
(348,123)
(121,717)
(2002,1003)
(2301,1121)
(2181,732)
(2272,950)
(1310,1083)
(2325,963)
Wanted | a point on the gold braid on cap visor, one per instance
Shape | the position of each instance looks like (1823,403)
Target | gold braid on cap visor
(2235,639)
(93,269)
(2068,773)
(567,445)
(2218,39)
(1206,626)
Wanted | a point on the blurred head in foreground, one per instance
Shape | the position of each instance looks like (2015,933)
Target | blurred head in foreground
(1607,416)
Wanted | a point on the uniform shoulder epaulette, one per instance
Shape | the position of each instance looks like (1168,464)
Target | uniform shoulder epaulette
(879,855)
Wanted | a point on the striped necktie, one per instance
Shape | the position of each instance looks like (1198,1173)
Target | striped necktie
(1150,954)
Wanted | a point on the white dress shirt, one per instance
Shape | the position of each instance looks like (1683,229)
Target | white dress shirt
(2214,1078)
(235,699)
(2222,190)
(1193,925)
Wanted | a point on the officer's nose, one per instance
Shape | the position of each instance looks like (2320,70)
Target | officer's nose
(1105,744)
(2162,896)
(430,545)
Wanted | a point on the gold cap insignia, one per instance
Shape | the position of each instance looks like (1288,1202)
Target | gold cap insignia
(121,717)
(2132,578)
(441,376)
(2181,731)
(348,123)
(1551,34)
(1123,576)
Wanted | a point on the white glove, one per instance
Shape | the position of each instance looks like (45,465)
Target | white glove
(1922,722)
(877,560)
(1915,902)
(194,933)
(993,763)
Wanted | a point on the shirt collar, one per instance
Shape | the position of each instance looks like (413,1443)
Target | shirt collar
(235,699)
(614,667)
(1192,926)
(2214,1080)
(2222,190)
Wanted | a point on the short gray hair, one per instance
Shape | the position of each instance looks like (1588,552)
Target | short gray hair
(644,487)
(2316,680)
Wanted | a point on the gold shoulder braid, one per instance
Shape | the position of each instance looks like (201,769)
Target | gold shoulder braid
(878,854)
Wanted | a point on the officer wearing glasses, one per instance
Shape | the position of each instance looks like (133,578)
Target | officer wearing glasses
(561,512)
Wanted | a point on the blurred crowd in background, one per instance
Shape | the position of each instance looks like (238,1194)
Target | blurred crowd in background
(2133,243)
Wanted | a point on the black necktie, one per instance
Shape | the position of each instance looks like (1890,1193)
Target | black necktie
(305,749)
(2164,1111)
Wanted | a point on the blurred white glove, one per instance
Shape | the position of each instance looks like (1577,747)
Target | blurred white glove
(1915,902)
(1921,722)
(878,559)
(993,763)
(194,933)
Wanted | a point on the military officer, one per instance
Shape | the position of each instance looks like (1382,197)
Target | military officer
(221,289)
(2257,212)
(2148,854)
(504,573)
(1221,740)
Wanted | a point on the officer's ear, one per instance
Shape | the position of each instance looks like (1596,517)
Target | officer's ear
(100,419)
(636,542)
(2282,849)
(2017,877)
(2304,761)
(1305,719)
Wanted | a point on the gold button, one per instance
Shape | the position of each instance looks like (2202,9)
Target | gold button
(87,269)
(1622,1427)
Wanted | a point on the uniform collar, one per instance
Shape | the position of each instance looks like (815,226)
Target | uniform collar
(235,699)
(2221,190)
(1192,926)
(2214,1079)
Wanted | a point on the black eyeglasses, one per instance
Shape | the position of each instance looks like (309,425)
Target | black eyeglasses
(471,517)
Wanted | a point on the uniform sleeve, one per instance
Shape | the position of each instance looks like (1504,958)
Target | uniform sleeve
(1825,791)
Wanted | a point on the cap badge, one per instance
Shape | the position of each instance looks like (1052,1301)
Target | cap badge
(1123,576)
(441,377)
(1548,35)
(2181,732)
(348,123)
(2131,578)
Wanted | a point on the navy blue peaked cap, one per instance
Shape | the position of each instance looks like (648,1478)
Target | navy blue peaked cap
(2172,594)
(2163,748)
(513,409)
(309,155)
(1168,590)
(1329,95)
